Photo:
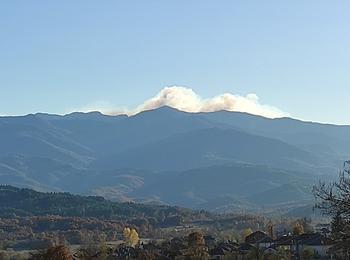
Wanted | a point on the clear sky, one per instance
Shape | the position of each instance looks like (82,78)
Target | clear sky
(56,56)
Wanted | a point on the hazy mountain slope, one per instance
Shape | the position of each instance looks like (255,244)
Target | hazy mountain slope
(79,138)
(197,160)
(30,135)
(47,174)
(203,186)
(207,147)
(290,192)
(316,137)
(10,175)
(106,135)
(213,188)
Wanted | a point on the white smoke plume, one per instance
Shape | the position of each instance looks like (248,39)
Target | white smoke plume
(185,99)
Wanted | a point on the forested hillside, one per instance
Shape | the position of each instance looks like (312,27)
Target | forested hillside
(26,202)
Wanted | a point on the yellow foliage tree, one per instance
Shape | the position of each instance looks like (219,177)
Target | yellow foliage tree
(131,236)
(246,232)
(126,233)
(298,229)
(270,229)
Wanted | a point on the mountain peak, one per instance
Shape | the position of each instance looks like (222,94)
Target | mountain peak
(165,109)
(160,111)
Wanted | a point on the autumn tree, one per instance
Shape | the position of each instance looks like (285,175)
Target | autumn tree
(246,232)
(131,237)
(197,248)
(297,229)
(270,229)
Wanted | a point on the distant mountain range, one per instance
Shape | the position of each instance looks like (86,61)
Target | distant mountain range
(219,161)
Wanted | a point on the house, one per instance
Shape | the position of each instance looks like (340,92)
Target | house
(284,242)
(317,242)
(259,239)
(270,251)
(246,248)
(324,229)
(219,253)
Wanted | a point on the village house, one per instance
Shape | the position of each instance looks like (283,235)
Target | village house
(317,242)
(259,239)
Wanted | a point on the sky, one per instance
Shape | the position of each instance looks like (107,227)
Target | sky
(288,57)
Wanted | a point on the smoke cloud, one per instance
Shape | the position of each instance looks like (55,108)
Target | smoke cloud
(185,99)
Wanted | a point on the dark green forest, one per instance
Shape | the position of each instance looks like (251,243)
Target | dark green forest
(26,202)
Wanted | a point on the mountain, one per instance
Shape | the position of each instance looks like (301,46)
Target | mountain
(239,183)
(27,202)
(243,185)
(320,138)
(104,135)
(210,146)
(30,135)
(46,174)
(289,192)
(219,160)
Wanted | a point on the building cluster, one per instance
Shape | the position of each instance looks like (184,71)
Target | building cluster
(258,245)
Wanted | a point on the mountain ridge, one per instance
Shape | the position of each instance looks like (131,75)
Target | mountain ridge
(122,156)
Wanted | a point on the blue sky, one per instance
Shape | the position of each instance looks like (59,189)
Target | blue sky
(56,56)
